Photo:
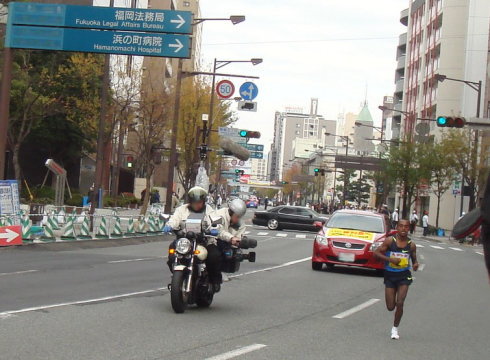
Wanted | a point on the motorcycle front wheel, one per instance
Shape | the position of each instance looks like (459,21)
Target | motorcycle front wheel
(177,293)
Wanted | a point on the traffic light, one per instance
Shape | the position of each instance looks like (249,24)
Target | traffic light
(451,121)
(284,182)
(318,171)
(249,134)
(129,161)
(239,172)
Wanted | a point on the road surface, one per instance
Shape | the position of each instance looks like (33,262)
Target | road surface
(112,303)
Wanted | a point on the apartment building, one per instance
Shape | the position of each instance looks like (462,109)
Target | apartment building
(446,37)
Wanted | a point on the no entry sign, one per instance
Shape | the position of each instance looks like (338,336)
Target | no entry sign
(225,89)
(10,235)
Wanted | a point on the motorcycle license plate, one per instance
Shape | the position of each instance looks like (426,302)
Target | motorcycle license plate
(347,257)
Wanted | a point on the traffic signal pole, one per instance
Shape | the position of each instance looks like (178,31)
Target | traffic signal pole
(5,105)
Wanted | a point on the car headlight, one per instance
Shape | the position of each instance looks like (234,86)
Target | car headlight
(375,245)
(183,246)
(321,239)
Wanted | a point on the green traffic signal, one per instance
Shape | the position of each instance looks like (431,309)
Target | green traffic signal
(451,121)
(441,121)
(243,133)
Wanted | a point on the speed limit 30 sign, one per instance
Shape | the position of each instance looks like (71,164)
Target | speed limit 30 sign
(225,89)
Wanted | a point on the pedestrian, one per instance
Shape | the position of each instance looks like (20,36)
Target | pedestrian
(175,201)
(219,201)
(414,219)
(266,202)
(425,222)
(397,251)
(394,218)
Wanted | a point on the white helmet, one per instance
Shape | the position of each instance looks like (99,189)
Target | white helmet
(197,194)
(237,206)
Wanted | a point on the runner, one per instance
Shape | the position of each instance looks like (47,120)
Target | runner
(397,251)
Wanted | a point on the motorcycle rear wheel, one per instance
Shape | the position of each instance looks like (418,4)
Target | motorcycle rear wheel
(205,299)
(177,297)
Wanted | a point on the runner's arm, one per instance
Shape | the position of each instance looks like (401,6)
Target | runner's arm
(381,251)
(413,255)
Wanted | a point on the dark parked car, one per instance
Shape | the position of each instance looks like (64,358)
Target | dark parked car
(289,217)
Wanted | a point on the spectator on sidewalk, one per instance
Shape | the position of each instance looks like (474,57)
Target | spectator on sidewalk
(394,218)
(425,222)
(414,219)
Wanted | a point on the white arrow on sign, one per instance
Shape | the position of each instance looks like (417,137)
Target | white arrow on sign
(8,235)
(249,92)
(178,46)
(180,21)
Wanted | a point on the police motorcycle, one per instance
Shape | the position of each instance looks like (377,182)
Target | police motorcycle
(190,279)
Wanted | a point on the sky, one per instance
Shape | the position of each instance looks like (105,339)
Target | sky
(334,50)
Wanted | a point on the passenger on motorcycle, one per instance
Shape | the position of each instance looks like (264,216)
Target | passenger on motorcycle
(232,228)
(197,204)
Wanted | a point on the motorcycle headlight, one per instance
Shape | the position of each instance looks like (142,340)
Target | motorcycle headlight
(375,245)
(321,239)
(183,246)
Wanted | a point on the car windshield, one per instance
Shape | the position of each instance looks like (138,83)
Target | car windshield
(356,222)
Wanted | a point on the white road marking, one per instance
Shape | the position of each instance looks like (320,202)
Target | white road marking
(281,235)
(294,262)
(247,232)
(18,272)
(419,246)
(479,252)
(262,233)
(421,267)
(80,302)
(6,314)
(300,236)
(355,309)
(456,249)
(437,247)
(129,260)
(237,352)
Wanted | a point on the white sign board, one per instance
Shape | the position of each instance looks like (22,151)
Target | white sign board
(9,197)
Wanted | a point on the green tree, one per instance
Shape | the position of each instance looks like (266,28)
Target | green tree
(460,143)
(439,162)
(194,102)
(403,168)
(361,190)
(346,178)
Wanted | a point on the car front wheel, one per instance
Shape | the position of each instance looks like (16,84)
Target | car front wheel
(317,266)
(273,224)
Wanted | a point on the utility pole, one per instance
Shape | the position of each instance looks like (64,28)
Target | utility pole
(5,105)
(173,145)
(104,110)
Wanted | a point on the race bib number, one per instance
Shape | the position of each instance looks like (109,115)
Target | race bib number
(404,260)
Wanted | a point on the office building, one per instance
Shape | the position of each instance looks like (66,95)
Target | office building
(289,126)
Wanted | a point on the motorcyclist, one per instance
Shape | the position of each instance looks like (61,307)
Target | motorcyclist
(232,227)
(197,204)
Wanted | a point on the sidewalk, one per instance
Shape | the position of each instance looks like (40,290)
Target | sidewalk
(417,235)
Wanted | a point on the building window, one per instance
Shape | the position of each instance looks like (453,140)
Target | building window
(297,132)
(298,125)
(187,3)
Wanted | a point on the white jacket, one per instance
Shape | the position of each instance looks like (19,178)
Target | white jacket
(226,230)
(182,213)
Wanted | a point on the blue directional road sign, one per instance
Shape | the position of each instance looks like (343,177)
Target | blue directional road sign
(249,91)
(97,41)
(97,17)
(254,147)
(256,155)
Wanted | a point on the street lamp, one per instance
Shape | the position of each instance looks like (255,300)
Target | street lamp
(347,140)
(235,19)
(477,86)
(218,64)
